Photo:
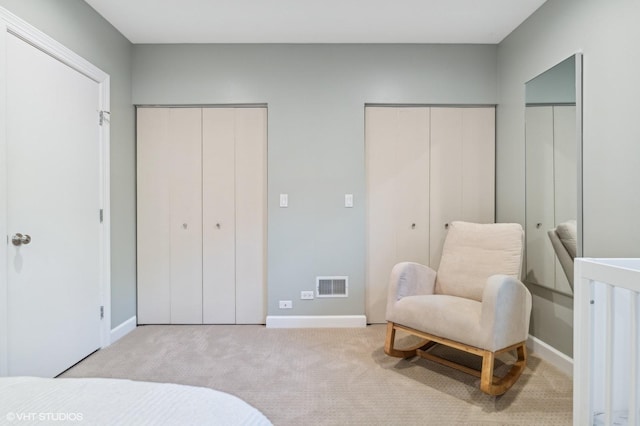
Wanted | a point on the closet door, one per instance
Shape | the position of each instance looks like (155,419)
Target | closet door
(169,216)
(478,164)
(234,203)
(397,167)
(251,206)
(154,218)
(219,223)
(446,176)
(540,195)
(185,135)
(462,171)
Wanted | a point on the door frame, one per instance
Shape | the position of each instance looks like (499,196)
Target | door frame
(11,24)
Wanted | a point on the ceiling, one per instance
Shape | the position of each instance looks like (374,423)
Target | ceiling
(319,21)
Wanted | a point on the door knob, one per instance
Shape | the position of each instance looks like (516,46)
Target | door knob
(18,239)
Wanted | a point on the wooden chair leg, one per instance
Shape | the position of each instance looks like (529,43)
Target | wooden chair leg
(486,376)
(400,353)
(501,385)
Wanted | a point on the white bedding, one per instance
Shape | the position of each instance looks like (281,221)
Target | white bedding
(30,400)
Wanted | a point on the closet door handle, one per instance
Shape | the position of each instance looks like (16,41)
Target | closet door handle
(218,225)
(18,239)
(413,226)
(446,226)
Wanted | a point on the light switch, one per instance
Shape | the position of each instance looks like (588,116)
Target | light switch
(284,200)
(348,200)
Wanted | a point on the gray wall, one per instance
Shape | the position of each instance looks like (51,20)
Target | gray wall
(607,33)
(316,140)
(77,26)
(316,96)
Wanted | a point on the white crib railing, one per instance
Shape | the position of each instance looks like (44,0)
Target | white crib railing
(606,314)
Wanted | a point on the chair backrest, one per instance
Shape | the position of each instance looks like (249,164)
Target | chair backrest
(563,255)
(568,234)
(473,252)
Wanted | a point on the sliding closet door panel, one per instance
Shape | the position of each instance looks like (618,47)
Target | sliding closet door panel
(186,215)
(219,224)
(250,202)
(397,163)
(540,193)
(153,225)
(446,175)
(412,185)
(478,164)
(381,127)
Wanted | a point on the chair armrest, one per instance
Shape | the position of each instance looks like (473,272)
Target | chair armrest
(410,279)
(506,311)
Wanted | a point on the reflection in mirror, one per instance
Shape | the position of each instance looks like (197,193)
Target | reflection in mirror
(552,139)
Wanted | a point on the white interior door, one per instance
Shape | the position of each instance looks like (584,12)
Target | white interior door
(53,185)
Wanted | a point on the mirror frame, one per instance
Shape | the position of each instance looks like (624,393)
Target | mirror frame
(579,110)
(578,79)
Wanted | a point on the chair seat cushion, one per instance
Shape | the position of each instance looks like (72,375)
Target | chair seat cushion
(454,318)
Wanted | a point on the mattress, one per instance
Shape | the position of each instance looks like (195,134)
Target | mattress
(30,400)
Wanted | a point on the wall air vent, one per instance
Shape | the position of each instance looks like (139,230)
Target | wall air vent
(332,286)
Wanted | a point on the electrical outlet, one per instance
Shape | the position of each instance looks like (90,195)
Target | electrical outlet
(306,295)
(286,304)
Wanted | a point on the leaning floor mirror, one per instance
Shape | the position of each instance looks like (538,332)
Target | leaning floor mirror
(553,139)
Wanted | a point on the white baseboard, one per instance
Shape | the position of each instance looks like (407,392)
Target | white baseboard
(316,321)
(551,355)
(123,329)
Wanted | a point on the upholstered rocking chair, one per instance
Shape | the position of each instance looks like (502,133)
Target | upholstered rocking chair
(475,302)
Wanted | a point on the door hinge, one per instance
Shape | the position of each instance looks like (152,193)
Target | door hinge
(104,116)
(101,312)
(101,215)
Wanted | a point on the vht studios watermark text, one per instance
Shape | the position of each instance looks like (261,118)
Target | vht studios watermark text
(44,417)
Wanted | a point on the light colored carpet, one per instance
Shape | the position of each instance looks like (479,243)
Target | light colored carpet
(328,377)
